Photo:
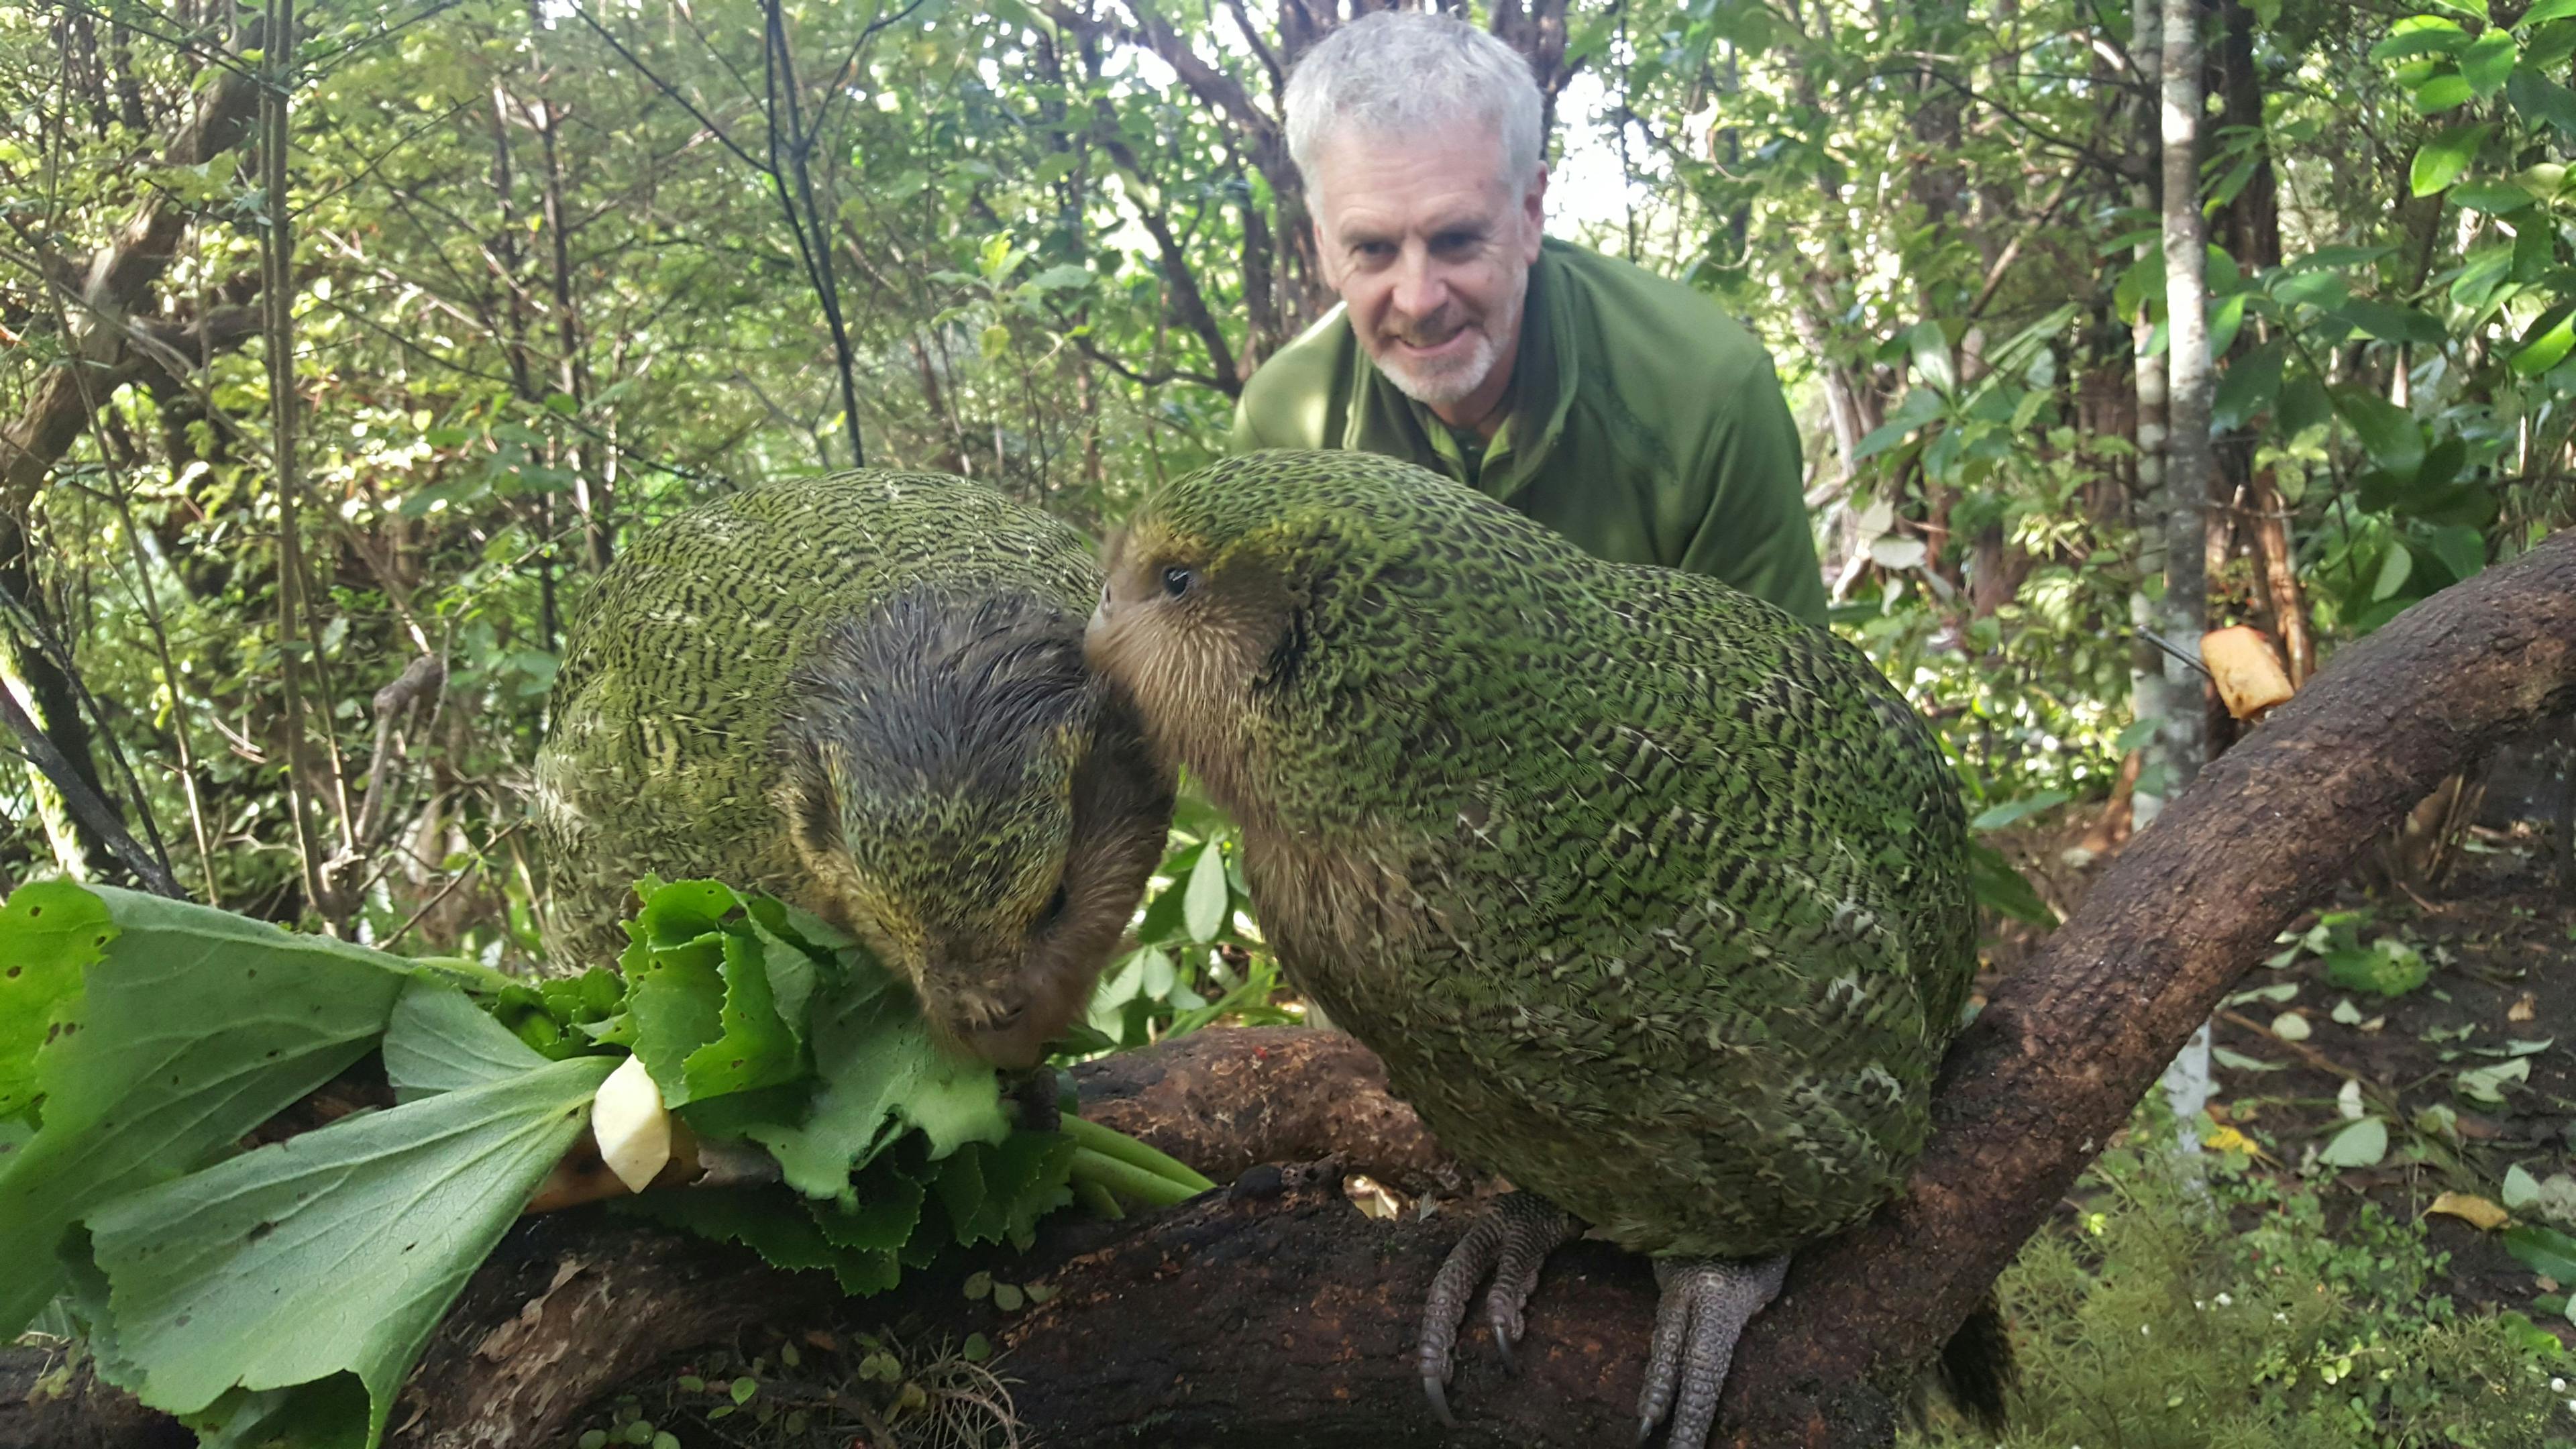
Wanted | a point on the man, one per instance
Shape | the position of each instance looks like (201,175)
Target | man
(1627,412)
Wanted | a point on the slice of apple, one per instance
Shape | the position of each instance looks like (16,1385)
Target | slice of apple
(2248,673)
(632,1127)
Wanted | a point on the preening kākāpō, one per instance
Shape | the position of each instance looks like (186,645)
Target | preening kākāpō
(1654,899)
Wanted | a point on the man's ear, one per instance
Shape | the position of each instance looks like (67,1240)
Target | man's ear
(1534,208)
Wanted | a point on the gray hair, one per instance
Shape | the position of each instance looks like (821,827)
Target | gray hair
(1400,74)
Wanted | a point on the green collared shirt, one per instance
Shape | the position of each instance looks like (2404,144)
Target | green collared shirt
(1644,424)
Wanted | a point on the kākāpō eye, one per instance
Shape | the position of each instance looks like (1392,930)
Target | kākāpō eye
(1177,580)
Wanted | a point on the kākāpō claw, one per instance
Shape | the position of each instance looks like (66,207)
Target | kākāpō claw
(1510,1242)
(1706,1303)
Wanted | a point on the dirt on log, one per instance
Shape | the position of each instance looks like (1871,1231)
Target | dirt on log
(1272,1311)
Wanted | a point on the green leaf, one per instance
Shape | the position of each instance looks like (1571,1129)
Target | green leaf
(2001,887)
(180,1051)
(786,1231)
(437,1040)
(756,1049)
(2543,1250)
(2224,320)
(2249,385)
(2311,289)
(333,1252)
(2545,11)
(2420,35)
(2540,100)
(880,1070)
(1065,276)
(2485,62)
(2547,343)
(2521,1189)
(2496,198)
(1930,349)
(2394,566)
(2441,93)
(2440,160)
(2388,968)
(2485,270)
(2462,550)
(50,931)
(2303,405)
(2388,433)
(2486,1084)
(2362,1144)
(1996,817)
(1204,910)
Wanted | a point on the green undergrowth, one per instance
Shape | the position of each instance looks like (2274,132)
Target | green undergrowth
(2236,1313)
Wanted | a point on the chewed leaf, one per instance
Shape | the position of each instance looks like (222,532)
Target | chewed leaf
(49,932)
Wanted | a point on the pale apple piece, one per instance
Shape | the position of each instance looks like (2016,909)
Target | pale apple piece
(631,1125)
(2249,675)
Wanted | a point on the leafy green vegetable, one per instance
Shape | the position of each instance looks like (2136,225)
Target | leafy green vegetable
(54,930)
(280,1295)
(2388,967)
(196,1026)
(336,1251)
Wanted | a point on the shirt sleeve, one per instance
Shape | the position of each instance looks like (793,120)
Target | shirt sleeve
(1246,437)
(1755,534)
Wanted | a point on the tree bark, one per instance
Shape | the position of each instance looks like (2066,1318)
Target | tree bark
(1273,1312)
(2191,468)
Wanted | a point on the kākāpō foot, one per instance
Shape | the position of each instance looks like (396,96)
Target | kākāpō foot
(1510,1241)
(1706,1303)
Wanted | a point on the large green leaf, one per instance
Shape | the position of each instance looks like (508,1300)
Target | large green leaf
(334,1252)
(2002,887)
(2250,384)
(1203,911)
(2440,160)
(2420,35)
(51,931)
(197,1026)
(438,1040)
(2540,100)
(2485,62)
(2388,433)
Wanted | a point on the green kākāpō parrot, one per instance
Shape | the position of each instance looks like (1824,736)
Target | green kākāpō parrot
(863,694)
(1654,899)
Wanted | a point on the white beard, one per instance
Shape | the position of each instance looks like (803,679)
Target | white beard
(1441,384)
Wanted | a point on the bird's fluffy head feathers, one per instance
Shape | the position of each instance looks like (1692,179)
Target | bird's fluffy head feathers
(975,806)
(1276,591)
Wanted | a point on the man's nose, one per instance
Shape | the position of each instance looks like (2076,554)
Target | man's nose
(1420,289)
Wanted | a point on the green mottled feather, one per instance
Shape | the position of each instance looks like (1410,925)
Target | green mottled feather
(663,755)
(1653,898)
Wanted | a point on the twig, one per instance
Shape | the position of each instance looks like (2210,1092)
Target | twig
(85,803)
(446,890)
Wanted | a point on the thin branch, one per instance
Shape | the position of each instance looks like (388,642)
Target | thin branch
(85,803)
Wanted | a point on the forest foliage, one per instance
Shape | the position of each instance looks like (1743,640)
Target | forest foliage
(540,274)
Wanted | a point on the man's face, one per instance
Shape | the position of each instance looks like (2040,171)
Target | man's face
(1430,245)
